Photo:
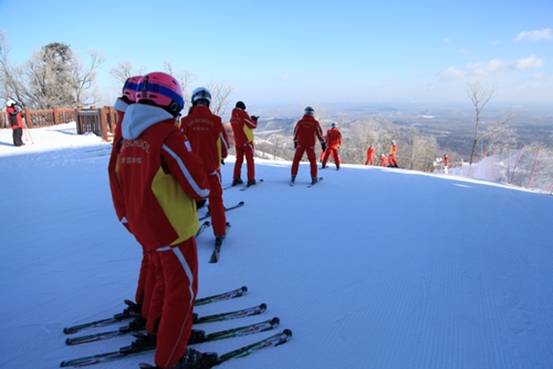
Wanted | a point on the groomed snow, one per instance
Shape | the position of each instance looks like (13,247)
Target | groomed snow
(372,268)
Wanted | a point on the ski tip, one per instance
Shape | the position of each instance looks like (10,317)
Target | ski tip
(287,332)
(241,203)
(68,330)
(244,289)
(275,321)
(263,306)
(68,341)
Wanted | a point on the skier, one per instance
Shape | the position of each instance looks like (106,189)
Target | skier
(305,132)
(383,160)
(209,141)
(160,182)
(146,278)
(242,128)
(370,156)
(15,118)
(445,161)
(392,155)
(333,140)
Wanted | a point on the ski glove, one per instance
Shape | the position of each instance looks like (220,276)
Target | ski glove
(222,162)
(295,145)
(200,203)
(323,146)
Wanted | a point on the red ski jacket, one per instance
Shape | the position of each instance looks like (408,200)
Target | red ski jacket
(306,130)
(160,178)
(383,160)
(333,138)
(207,136)
(15,117)
(242,127)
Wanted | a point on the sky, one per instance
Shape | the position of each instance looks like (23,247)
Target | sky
(307,52)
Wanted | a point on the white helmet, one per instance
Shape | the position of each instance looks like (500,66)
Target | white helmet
(10,102)
(309,110)
(201,93)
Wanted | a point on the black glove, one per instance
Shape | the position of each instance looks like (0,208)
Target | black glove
(295,145)
(222,162)
(323,146)
(200,203)
(255,117)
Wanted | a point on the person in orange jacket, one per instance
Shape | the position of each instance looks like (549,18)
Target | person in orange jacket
(242,128)
(333,140)
(445,161)
(307,129)
(209,141)
(161,182)
(370,156)
(392,155)
(15,118)
(383,160)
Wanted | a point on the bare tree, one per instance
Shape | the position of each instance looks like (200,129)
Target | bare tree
(220,94)
(84,78)
(122,71)
(479,97)
(11,85)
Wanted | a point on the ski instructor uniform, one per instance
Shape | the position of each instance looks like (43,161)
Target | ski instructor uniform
(161,180)
(305,132)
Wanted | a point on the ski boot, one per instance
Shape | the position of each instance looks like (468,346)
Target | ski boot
(236,182)
(137,324)
(144,341)
(194,359)
(314,180)
(292,180)
(132,309)
(196,336)
(251,182)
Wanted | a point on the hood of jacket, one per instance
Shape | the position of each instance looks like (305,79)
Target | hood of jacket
(140,117)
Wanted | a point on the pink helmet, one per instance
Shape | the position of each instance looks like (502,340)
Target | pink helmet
(130,88)
(162,90)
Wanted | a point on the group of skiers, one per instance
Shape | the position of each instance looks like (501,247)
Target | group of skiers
(15,120)
(385,161)
(161,170)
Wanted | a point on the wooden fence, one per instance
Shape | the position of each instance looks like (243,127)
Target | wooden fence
(100,121)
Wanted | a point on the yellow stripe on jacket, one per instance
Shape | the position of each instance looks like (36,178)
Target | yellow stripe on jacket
(248,132)
(177,206)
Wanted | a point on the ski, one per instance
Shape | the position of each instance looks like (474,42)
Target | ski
(203,227)
(129,350)
(313,184)
(126,314)
(126,329)
(240,204)
(246,187)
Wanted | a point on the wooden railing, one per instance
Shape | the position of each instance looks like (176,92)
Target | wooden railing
(100,121)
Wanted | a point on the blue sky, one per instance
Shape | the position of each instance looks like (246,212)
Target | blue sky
(308,52)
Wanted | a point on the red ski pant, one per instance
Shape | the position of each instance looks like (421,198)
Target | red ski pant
(155,294)
(369,161)
(216,207)
(310,155)
(335,156)
(142,277)
(179,270)
(247,151)
(392,160)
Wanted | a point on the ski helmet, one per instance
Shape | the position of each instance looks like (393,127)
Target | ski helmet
(201,94)
(309,110)
(130,88)
(241,105)
(162,90)
(333,125)
(10,102)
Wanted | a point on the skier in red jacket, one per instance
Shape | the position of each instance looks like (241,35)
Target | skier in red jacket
(161,180)
(383,160)
(242,128)
(370,156)
(392,162)
(147,277)
(307,129)
(209,141)
(15,118)
(333,141)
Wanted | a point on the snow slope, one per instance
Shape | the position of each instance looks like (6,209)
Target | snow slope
(372,268)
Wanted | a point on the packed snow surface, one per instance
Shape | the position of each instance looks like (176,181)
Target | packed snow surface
(371,268)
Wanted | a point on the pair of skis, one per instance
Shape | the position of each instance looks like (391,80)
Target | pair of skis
(292,184)
(123,352)
(245,187)
(240,204)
